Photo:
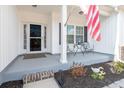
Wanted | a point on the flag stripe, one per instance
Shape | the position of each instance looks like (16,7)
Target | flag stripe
(90,10)
(95,26)
(97,34)
(98,38)
(96,30)
(95,18)
(89,19)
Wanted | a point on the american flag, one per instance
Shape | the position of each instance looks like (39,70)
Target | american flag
(93,22)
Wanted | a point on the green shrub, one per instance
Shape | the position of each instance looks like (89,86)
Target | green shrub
(118,67)
(100,75)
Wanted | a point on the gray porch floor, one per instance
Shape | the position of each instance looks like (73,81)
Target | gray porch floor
(20,66)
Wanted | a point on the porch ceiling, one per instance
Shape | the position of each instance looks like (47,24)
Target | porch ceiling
(105,10)
(45,9)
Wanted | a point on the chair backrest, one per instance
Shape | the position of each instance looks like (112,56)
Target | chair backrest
(86,45)
(69,49)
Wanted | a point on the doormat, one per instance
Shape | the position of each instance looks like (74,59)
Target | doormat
(38,55)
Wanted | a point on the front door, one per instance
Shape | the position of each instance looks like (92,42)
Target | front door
(35,38)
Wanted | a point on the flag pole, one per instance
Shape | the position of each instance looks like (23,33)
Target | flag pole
(69,15)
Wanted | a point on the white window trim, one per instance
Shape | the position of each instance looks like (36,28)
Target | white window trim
(75,32)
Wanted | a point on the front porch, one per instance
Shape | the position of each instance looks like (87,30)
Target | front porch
(20,66)
(53,38)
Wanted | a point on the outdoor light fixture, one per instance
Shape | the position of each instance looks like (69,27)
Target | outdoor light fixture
(34,5)
(81,12)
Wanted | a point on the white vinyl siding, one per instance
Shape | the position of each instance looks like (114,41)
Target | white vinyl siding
(8,35)
(108,32)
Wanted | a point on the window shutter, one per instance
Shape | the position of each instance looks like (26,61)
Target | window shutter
(59,33)
(85,34)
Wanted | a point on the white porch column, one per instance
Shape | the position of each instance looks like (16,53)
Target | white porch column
(63,54)
(117,42)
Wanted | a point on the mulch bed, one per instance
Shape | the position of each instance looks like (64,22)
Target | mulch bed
(12,84)
(68,81)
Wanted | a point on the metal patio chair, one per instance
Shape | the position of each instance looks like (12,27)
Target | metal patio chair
(87,47)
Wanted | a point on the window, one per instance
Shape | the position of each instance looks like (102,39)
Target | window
(85,34)
(59,33)
(70,34)
(35,30)
(35,37)
(35,44)
(76,34)
(79,34)
(45,34)
(25,36)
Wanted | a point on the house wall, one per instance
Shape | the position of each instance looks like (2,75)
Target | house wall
(121,26)
(0,41)
(52,21)
(56,18)
(8,35)
(77,20)
(108,31)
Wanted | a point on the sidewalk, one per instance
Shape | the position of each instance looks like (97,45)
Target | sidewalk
(117,84)
(47,83)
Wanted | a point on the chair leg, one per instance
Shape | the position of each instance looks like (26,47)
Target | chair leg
(82,51)
(76,52)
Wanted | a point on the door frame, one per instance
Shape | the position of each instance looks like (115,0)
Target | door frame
(28,37)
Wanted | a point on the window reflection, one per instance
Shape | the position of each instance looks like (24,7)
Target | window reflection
(35,30)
